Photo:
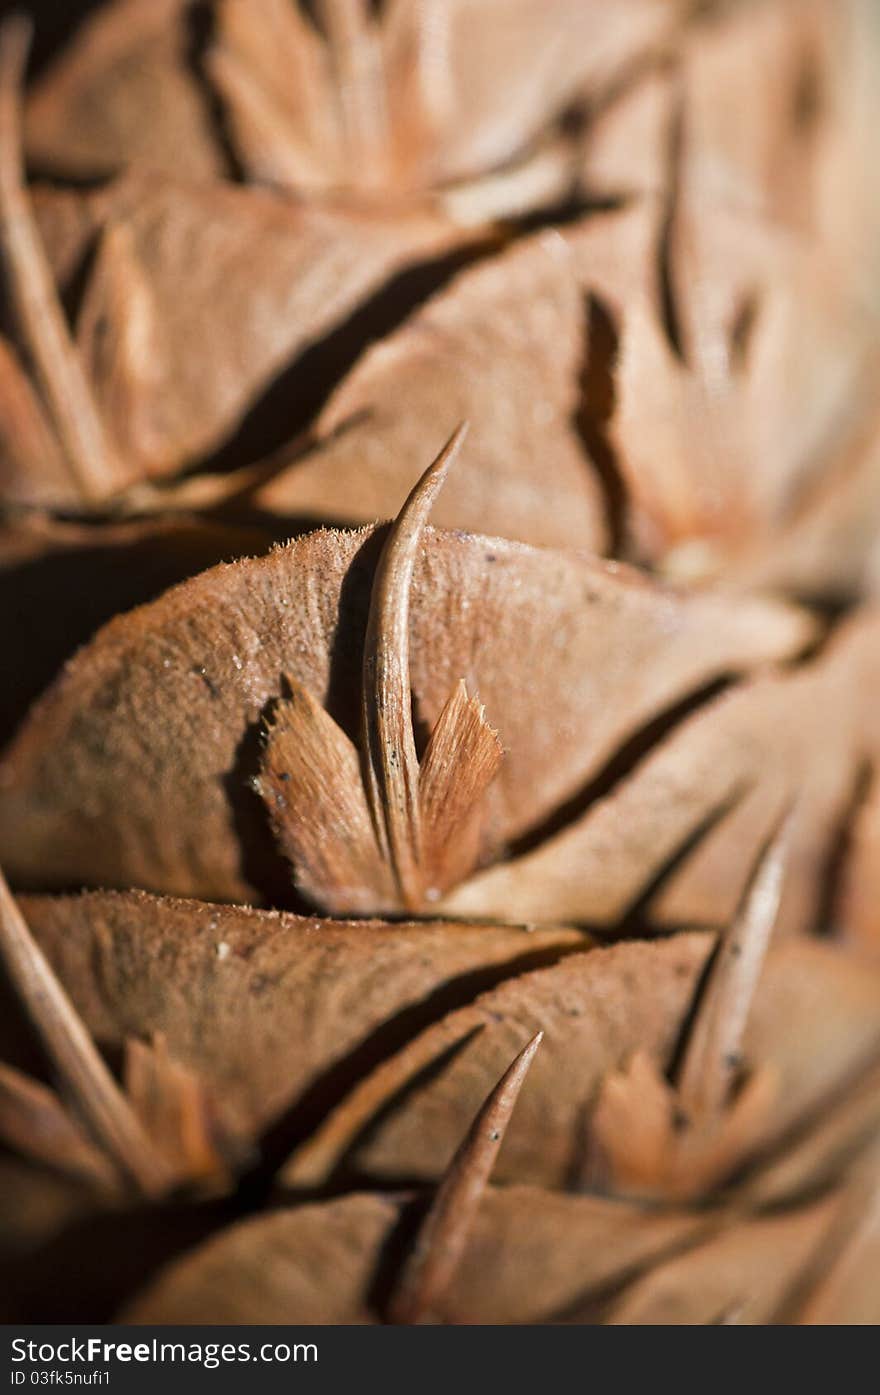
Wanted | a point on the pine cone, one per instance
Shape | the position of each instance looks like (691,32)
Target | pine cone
(683,378)
(479,919)
(720,1174)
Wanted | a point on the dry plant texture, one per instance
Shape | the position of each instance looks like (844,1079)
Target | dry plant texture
(439,733)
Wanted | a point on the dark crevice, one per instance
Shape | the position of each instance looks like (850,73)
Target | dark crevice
(637,914)
(421,729)
(742,331)
(833,874)
(278,420)
(21,1045)
(295,396)
(592,1308)
(818,1112)
(345,1175)
(200,20)
(572,208)
(99,1261)
(237,488)
(670,312)
(343,700)
(87,1271)
(677,1056)
(807,96)
(687,1027)
(58,26)
(63,181)
(830,616)
(330,1089)
(621,764)
(311,10)
(77,587)
(55,26)
(577,118)
(262,864)
(395,1253)
(72,293)
(596,410)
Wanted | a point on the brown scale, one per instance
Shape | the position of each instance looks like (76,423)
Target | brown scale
(783,1226)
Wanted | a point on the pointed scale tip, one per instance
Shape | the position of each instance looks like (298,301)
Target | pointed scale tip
(391,767)
(711,1057)
(445,1231)
(431,481)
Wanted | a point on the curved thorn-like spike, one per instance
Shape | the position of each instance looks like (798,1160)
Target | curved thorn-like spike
(391,768)
(33,293)
(711,1057)
(444,1232)
(69,1046)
